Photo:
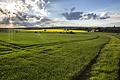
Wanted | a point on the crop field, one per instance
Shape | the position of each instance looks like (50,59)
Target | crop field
(55,56)
(54,30)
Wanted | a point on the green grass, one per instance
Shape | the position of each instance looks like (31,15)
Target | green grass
(107,65)
(55,57)
(39,38)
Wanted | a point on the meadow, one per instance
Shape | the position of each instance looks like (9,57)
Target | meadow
(55,56)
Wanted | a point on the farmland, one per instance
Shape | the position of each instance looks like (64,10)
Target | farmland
(55,56)
(53,30)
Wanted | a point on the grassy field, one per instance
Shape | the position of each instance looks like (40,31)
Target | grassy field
(107,64)
(54,56)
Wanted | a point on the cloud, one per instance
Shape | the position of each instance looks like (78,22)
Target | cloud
(22,10)
(26,6)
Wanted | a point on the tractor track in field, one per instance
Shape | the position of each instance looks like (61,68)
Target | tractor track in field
(19,47)
(57,43)
(10,45)
(5,49)
(84,74)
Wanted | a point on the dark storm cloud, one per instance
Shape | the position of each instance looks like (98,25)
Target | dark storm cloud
(56,0)
(72,15)
(72,9)
(23,1)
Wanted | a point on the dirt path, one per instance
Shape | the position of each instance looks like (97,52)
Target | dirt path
(105,65)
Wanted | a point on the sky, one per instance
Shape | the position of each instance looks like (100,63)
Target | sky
(59,6)
(55,10)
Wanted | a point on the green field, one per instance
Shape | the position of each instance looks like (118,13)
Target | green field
(54,56)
